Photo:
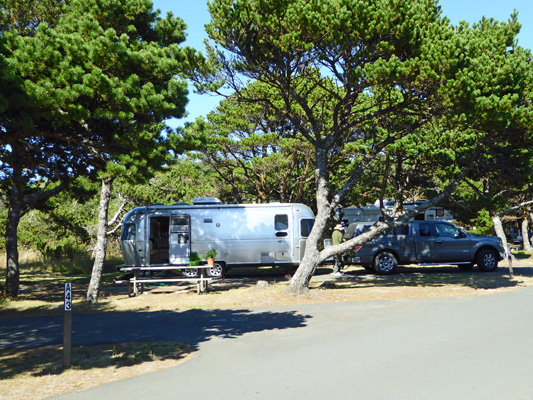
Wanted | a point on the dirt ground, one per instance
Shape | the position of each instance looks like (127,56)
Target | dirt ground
(35,379)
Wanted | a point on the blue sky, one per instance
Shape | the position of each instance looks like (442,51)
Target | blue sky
(195,15)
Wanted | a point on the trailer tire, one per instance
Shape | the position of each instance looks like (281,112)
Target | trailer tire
(385,263)
(216,271)
(191,272)
(487,260)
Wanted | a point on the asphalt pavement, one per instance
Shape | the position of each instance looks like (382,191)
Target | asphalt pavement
(468,348)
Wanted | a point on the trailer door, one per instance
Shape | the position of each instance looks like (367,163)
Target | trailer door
(180,238)
(127,244)
(283,247)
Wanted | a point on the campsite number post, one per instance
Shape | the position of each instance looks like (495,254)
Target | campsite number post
(67,326)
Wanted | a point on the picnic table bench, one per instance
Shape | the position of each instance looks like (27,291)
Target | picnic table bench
(136,283)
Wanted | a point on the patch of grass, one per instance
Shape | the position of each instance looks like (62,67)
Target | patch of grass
(32,374)
(522,255)
(49,360)
(79,263)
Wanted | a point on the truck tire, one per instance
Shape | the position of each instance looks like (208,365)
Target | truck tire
(487,260)
(385,263)
(216,271)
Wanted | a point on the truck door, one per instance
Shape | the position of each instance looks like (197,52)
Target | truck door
(425,243)
(180,238)
(451,244)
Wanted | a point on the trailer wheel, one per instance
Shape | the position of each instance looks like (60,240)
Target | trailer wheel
(486,260)
(385,263)
(217,271)
(191,272)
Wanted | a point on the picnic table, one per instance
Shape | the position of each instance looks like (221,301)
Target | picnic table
(136,282)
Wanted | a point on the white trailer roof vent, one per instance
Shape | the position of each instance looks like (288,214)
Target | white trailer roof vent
(202,201)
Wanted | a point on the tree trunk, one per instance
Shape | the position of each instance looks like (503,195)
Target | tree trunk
(19,203)
(12,255)
(300,281)
(525,235)
(501,234)
(101,241)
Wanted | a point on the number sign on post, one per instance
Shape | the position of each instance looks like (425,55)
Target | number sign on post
(67,326)
(68,296)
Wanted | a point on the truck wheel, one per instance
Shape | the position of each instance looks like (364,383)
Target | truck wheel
(216,271)
(385,263)
(486,260)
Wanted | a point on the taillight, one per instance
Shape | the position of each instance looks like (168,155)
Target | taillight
(356,248)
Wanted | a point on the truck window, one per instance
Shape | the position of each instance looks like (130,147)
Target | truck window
(361,229)
(445,230)
(424,230)
(305,227)
(281,222)
(401,230)
(129,232)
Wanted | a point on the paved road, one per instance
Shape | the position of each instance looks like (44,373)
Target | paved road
(467,348)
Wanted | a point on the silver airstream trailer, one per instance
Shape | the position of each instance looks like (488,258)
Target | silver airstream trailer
(243,235)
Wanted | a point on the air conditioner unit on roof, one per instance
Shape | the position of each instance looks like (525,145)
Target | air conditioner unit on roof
(205,200)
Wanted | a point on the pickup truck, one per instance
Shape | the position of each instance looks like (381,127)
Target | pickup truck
(425,243)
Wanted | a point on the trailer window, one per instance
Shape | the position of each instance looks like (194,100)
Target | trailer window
(305,227)
(129,232)
(281,222)
(179,223)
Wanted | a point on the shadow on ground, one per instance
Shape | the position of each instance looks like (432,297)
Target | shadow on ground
(184,328)
(48,360)
(435,276)
(187,327)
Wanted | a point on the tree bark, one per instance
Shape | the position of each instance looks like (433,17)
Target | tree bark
(525,235)
(101,241)
(12,255)
(501,234)
(299,283)
(19,202)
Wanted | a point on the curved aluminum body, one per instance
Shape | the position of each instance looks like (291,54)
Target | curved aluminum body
(242,234)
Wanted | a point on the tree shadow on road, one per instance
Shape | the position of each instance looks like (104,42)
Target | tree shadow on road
(185,329)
